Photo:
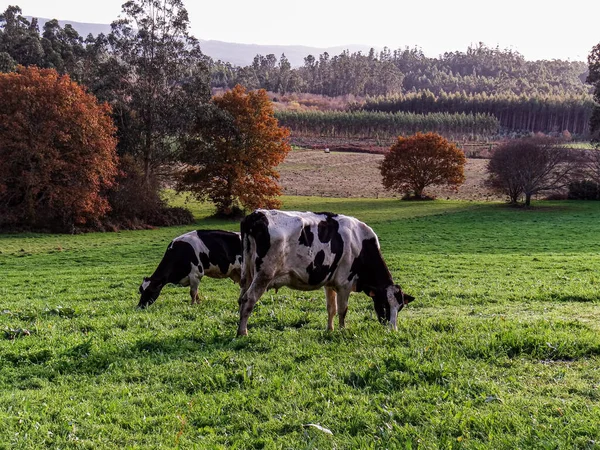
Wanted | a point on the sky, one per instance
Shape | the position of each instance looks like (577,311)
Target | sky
(537,29)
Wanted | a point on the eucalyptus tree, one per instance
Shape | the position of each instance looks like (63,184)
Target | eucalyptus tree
(20,39)
(594,79)
(165,83)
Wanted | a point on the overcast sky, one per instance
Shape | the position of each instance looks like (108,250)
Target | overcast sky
(537,29)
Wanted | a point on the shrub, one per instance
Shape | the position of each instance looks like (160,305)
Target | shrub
(584,190)
(137,204)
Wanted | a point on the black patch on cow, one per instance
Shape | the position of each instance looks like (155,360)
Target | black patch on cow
(370,269)
(317,271)
(176,264)
(325,213)
(205,260)
(224,247)
(328,231)
(306,236)
(382,308)
(256,225)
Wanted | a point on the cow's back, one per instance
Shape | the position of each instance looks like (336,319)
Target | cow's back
(219,252)
(303,250)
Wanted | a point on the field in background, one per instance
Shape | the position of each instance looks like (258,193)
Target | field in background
(353,174)
(500,349)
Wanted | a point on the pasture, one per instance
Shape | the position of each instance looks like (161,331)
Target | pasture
(313,172)
(501,348)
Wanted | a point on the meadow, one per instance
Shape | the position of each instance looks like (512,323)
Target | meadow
(500,349)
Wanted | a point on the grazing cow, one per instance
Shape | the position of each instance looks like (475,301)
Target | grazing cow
(189,257)
(307,251)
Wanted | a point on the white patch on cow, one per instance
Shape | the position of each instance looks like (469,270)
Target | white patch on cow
(145,285)
(193,277)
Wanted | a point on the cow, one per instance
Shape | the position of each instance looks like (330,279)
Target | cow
(189,257)
(307,251)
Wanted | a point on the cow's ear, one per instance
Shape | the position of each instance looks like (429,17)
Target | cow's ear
(408,298)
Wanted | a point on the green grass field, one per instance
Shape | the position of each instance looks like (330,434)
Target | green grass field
(501,349)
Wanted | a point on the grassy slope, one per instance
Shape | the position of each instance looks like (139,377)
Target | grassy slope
(500,350)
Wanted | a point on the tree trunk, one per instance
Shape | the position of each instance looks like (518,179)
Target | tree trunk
(527,199)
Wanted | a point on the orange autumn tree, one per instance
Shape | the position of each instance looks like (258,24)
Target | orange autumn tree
(231,158)
(57,151)
(416,162)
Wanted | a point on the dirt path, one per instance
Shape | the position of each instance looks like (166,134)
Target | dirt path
(340,174)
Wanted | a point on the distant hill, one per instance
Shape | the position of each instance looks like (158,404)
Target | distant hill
(243,54)
(82,28)
(237,54)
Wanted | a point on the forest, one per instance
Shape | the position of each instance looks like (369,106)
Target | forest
(375,124)
(524,96)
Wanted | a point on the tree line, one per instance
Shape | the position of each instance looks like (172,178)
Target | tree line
(525,96)
(524,113)
(375,124)
(477,70)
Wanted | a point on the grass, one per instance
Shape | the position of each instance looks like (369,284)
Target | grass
(500,349)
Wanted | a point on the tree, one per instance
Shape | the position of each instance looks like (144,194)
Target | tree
(57,148)
(530,166)
(63,48)
(232,156)
(20,38)
(416,162)
(165,85)
(594,79)
(502,171)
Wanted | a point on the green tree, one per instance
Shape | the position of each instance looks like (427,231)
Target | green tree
(165,84)
(63,49)
(20,38)
(594,79)
(285,73)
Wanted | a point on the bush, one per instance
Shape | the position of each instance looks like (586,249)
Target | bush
(136,204)
(584,190)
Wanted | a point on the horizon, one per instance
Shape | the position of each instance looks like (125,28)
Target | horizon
(456,26)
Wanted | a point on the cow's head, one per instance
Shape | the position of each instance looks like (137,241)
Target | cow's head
(388,302)
(149,292)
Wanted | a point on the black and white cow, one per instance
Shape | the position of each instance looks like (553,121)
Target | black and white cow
(307,251)
(191,256)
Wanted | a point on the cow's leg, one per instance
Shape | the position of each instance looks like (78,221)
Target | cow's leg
(245,282)
(330,295)
(342,306)
(194,283)
(248,299)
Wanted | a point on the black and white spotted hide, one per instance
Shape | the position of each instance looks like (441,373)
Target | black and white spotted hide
(189,257)
(308,251)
